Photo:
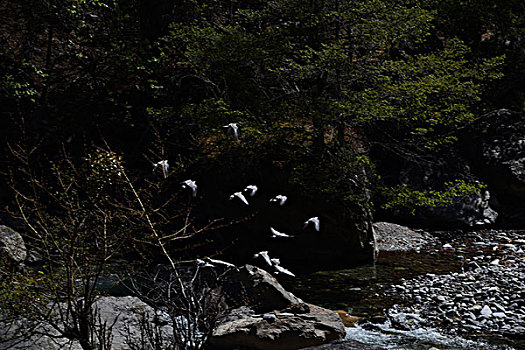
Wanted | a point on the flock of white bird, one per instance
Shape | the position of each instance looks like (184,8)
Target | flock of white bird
(250,190)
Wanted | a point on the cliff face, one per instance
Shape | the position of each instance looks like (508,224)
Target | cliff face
(495,146)
(489,152)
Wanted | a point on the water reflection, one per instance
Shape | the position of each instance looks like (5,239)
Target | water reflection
(359,290)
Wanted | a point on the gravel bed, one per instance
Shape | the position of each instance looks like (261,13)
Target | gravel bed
(486,297)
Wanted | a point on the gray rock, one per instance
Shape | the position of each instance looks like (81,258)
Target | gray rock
(126,313)
(315,327)
(498,152)
(13,337)
(237,314)
(269,317)
(486,311)
(256,288)
(499,307)
(12,246)
(123,312)
(393,237)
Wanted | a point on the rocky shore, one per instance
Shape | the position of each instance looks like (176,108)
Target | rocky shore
(481,295)
(487,297)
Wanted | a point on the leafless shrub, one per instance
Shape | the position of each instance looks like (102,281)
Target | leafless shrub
(189,300)
(83,216)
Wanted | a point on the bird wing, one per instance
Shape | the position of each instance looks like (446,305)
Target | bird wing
(242,198)
(252,189)
(278,234)
(220,262)
(266,257)
(282,270)
(193,186)
(275,232)
(235,129)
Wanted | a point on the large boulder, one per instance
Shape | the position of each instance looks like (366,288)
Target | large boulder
(394,237)
(12,247)
(130,317)
(471,210)
(299,326)
(125,314)
(253,287)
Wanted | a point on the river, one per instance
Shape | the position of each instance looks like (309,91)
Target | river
(455,272)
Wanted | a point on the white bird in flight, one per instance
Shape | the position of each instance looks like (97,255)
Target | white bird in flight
(315,221)
(240,196)
(276,233)
(279,269)
(251,189)
(265,256)
(202,263)
(232,129)
(163,164)
(279,198)
(275,263)
(190,184)
(219,262)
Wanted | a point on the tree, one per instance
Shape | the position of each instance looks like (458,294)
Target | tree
(319,72)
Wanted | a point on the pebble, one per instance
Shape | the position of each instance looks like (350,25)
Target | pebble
(499,307)
(486,311)
(269,317)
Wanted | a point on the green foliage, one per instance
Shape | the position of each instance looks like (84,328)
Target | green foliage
(403,73)
(405,199)
(212,114)
(22,294)
(426,97)
(341,175)
(17,89)
(300,71)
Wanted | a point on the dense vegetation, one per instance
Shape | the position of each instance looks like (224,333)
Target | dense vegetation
(321,82)
(318,88)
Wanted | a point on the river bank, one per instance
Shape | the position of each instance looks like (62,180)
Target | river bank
(449,289)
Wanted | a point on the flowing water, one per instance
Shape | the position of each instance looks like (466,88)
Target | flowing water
(359,291)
